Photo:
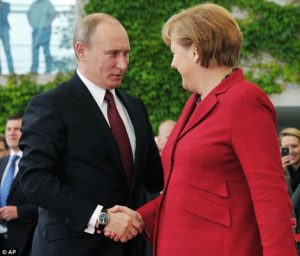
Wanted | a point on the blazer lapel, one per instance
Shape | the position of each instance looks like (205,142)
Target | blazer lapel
(205,106)
(180,124)
(183,119)
(201,110)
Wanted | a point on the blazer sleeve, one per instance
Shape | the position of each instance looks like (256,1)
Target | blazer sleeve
(255,142)
(148,212)
(43,143)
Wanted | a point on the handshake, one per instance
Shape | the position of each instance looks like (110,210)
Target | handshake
(124,224)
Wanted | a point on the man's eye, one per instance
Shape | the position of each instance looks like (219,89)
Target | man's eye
(113,54)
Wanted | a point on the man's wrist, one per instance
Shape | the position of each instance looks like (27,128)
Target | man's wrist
(102,220)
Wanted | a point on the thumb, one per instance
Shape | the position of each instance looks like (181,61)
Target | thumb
(115,209)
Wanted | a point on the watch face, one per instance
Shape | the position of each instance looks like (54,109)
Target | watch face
(103,218)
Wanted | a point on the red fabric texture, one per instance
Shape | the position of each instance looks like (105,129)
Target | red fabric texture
(225,192)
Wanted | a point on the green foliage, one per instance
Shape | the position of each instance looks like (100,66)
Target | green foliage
(267,28)
(18,90)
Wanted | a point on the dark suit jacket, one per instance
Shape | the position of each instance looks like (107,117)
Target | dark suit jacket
(71,163)
(19,231)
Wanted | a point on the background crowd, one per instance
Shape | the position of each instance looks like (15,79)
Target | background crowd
(40,17)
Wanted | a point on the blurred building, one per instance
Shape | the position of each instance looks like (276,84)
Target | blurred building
(20,37)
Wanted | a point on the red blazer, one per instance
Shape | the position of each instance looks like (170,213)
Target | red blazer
(225,193)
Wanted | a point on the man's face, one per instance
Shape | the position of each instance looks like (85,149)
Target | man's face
(3,150)
(105,61)
(13,133)
(293,143)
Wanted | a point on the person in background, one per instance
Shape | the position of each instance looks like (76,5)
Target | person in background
(225,192)
(4,34)
(40,16)
(164,132)
(87,146)
(18,216)
(4,149)
(290,138)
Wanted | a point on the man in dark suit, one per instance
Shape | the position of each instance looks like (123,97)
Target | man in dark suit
(18,216)
(74,165)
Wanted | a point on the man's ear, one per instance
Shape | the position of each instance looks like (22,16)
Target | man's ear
(80,50)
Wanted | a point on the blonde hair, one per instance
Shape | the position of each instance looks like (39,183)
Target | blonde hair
(289,131)
(212,29)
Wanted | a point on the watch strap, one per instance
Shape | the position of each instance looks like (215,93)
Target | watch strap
(101,226)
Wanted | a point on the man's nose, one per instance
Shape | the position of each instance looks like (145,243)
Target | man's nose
(122,63)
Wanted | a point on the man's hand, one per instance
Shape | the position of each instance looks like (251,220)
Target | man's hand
(9,212)
(124,224)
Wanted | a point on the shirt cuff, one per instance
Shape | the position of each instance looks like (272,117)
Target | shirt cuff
(92,222)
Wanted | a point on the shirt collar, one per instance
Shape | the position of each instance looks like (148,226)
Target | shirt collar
(19,153)
(97,91)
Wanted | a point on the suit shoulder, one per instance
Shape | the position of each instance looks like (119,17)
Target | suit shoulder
(127,95)
(130,98)
(57,91)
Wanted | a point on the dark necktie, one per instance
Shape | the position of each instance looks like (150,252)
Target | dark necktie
(119,131)
(8,179)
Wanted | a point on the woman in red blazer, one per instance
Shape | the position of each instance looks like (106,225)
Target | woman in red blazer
(225,193)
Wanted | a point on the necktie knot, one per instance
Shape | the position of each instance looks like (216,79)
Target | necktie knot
(109,97)
(14,158)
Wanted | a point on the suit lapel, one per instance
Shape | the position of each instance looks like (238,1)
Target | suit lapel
(14,185)
(90,112)
(3,163)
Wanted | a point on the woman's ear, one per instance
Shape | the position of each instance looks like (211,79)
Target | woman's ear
(195,53)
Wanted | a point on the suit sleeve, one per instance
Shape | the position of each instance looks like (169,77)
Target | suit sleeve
(27,212)
(153,174)
(255,143)
(43,143)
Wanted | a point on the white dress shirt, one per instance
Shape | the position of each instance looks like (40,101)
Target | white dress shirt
(98,94)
